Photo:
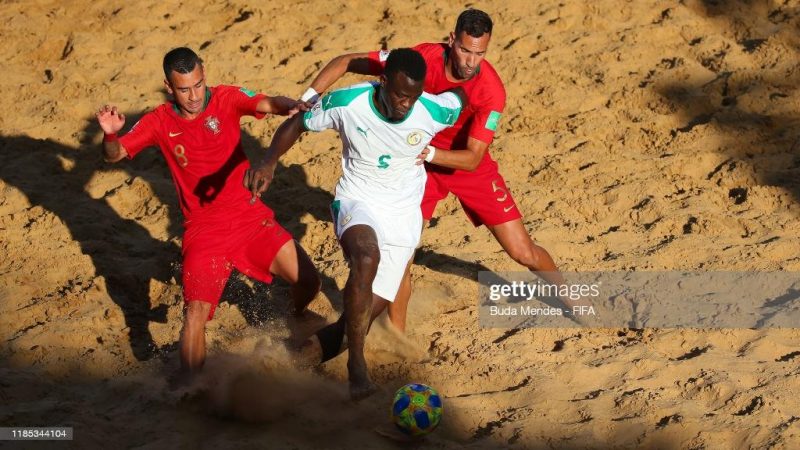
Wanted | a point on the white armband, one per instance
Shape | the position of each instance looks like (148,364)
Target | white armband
(310,95)
(431,152)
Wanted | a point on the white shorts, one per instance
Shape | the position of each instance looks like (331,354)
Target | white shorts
(398,236)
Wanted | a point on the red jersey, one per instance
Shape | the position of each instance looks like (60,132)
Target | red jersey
(204,154)
(485,93)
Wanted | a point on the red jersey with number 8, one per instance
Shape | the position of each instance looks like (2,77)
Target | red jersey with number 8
(204,154)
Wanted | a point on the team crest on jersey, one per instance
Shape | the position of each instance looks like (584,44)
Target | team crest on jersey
(212,123)
(414,138)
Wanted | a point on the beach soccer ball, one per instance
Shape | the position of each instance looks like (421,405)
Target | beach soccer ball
(417,409)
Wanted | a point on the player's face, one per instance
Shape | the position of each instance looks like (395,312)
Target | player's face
(188,90)
(399,94)
(466,53)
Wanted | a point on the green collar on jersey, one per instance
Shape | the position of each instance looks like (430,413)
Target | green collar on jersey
(378,113)
(177,109)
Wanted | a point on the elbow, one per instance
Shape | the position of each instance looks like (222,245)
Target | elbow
(342,62)
(473,165)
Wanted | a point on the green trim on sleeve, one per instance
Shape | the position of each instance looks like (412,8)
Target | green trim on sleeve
(307,116)
(439,113)
(342,97)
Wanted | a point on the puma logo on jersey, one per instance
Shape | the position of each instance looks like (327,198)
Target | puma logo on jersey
(171,134)
(362,131)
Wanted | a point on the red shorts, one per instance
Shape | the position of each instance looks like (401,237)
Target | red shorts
(212,249)
(483,193)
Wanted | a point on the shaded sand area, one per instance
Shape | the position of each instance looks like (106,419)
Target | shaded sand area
(638,136)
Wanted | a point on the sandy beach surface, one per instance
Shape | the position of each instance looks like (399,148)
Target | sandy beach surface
(638,135)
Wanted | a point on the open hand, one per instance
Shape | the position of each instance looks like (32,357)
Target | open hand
(110,120)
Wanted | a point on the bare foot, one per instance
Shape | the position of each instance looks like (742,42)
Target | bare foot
(360,385)
(362,389)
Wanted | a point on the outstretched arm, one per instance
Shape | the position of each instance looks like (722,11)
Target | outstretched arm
(353,62)
(258,178)
(463,159)
(282,106)
(111,122)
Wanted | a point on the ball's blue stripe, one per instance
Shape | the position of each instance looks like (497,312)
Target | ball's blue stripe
(422,419)
(401,404)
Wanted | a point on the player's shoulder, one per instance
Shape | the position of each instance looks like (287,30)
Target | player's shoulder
(156,115)
(488,90)
(431,50)
(445,98)
(223,90)
(151,121)
(443,107)
(345,96)
(490,79)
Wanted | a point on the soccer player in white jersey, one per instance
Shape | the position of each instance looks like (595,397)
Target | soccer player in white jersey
(384,128)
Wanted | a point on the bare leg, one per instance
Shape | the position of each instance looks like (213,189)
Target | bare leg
(515,240)
(519,245)
(329,342)
(193,336)
(294,266)
(360,244)
(399,308)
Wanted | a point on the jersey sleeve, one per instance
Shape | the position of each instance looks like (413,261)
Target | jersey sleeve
(487,114)
(142,135)
(246,101)
(320,118)
(443,108)
(377,61)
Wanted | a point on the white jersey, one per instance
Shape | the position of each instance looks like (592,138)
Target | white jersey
(379,157)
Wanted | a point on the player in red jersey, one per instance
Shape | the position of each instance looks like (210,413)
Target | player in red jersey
(200,137)
(464,167)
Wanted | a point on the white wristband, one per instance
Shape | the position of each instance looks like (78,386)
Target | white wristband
(431,152)
(310,95)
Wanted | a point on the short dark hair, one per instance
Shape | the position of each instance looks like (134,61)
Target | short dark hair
(474,22)
(408,61)
(181,60)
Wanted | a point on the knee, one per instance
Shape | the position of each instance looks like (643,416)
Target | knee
(365,260)
(526,255)
(196,314)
